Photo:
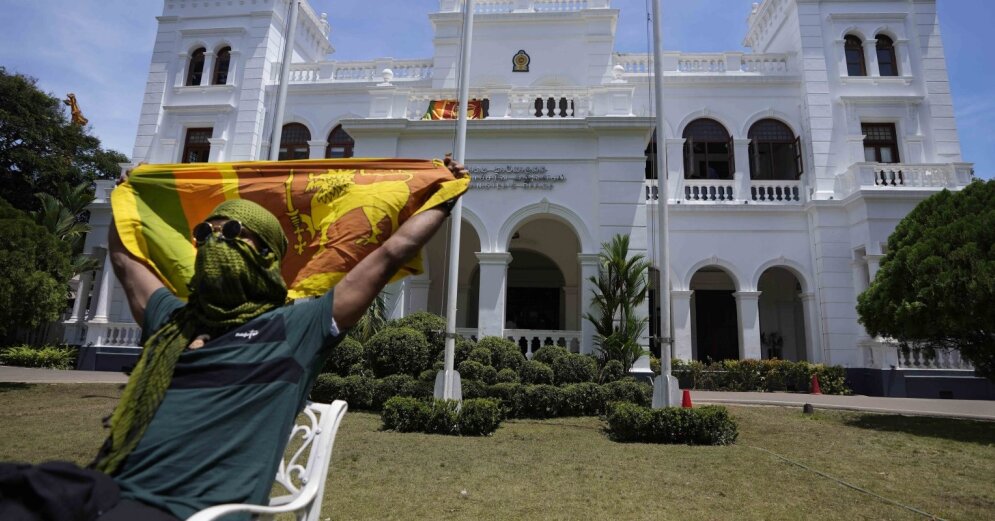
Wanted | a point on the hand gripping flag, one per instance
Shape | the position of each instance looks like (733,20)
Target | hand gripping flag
(333,211)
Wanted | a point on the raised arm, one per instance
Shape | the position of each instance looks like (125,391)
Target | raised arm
(355,292)
(137,279)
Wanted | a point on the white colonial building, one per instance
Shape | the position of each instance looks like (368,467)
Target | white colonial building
(788,166)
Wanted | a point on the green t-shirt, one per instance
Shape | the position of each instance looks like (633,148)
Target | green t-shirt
(220,432)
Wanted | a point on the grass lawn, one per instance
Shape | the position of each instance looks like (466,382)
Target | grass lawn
(568,469)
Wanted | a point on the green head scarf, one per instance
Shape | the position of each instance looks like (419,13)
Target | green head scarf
(232,284)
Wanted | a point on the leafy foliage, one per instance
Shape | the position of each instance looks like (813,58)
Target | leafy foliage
(760,375)
(549,354)
(574,368)
(505,354)
(620,287)
(936,285)
(397,350)
(536,372)
(51,357)
(478,417)
(40,149)
(374,319)
(430,325)
(34,268)
(709,425)
(342,357)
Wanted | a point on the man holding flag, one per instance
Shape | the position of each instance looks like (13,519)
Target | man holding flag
(208,408)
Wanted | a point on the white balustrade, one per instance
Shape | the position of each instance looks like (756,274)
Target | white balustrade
(710,63)
(635,63)
(556,6)
(530,340)
(941,359)
(775,191)
(765,63)
(730,63)
(708,190)
(493,6)
(304,73)
(113,334)
(652,191)
(871,176)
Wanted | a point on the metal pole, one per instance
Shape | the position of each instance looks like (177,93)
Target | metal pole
(281,90)
(665,387)
(451,389)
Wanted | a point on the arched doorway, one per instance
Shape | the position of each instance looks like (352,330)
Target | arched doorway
(714,323)
(535,292)
(782,318)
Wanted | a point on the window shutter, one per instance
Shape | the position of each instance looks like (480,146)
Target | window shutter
(754,159)
(689,162)
(732,156)
(798,156)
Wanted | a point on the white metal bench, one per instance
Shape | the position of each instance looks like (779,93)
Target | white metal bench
(305,483)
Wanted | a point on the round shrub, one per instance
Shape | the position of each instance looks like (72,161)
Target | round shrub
(430,325)
(359,370)
(348,353)
(397,350)
(479,417)
(472,388)
(509,395)
(629,390)
(505,354)
(463,348)
(391,386)
(549,354)
(356,390)
(613,371)
(443,417)
(535,372)
(583,399)
(654,364)
(404,414)
(540,401)
(574,368)
(709,425)
(427,375)
(471,370)
(507,375)
(482,355)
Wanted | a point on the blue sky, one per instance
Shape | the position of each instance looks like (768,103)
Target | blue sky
(100,50)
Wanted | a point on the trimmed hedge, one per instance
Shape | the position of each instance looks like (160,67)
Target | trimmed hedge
(430,325)
(479,417)
(473,370)
(629,390)
(760,375)
(505,354)
(508,375)
(348,353)
(397,350)
(708,425)
(356,390)
(481,355)
(537,373)
(574,368)
(51,357)
(612,371)
(583,399)
(549,354)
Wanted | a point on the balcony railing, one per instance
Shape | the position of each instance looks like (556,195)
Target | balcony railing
(363,71)
(706,64)
(882,353)
(523,6)
(732,191)
(530,340)
(880,176)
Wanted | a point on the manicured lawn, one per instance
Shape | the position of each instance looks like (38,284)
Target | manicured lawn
(568,469)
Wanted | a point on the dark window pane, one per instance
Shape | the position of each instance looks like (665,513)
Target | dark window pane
(221,64)
(854,49)
(340,143)
(196,70)
(197,145)
(886,56)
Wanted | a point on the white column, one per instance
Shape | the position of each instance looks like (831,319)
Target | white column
(873,265)
(316,148)
(233,62)
(217,149)
(675,169)
(183,62)
(208,74)
(571,308)
(492,292)
(871,57)
(903,57)
(82,293)
(418,295)
(104,292)
(681,309)
(813,351)
(741,190)
(748,311)
(588,268)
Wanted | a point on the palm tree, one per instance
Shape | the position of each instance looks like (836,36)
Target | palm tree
(620,287)
(64,215)
(373,320)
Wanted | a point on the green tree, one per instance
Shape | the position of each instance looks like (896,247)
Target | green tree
(373,320)
(40,148)
(936,285)
(620,287)
(34,268)
(65,216)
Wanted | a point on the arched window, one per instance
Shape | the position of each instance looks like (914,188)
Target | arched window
(887,64)
(293,142)
(707,150)
(196,69)
(221,63)
(340,143)
(775,152)
(855,64)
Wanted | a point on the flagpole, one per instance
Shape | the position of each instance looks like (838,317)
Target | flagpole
(450,380)
(281,89)
(665,386)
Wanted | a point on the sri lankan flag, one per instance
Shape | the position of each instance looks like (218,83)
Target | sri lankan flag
(449,109)
(334,211)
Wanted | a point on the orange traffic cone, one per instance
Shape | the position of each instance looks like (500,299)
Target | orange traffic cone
(686,400)
(815,385)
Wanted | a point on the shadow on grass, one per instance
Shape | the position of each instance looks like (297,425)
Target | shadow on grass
(14,386)
(969,431)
